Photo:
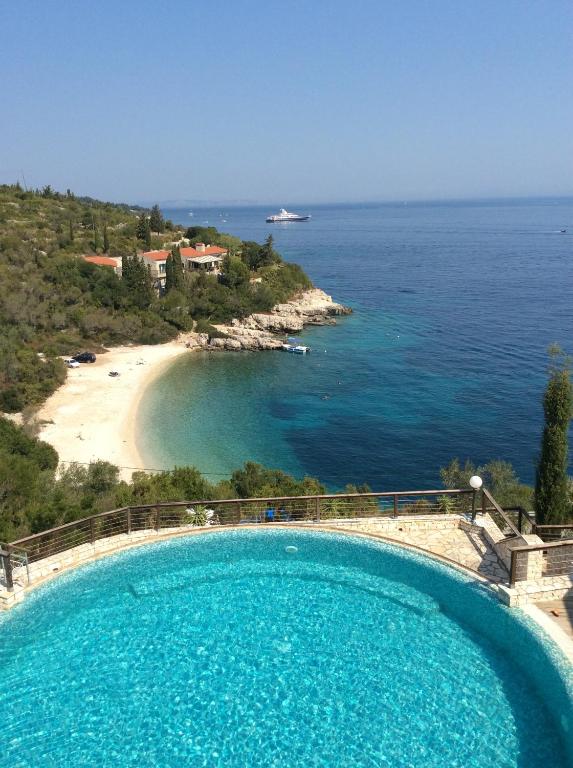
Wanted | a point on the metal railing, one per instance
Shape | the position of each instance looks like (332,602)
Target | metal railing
(524,520)
(554,558)
(14,566)
(554,532)
(500,516)
(162,517)
(220,512)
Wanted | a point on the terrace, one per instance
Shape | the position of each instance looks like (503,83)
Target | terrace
(466,528)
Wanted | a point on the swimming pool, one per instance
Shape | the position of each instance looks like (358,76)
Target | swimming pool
(276,648)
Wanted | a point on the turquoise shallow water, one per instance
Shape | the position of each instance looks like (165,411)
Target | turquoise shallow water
(455,306)
(227,650)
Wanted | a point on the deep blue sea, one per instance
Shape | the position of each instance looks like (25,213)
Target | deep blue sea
(454,304)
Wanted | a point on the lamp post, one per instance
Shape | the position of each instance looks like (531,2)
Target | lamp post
(476,483)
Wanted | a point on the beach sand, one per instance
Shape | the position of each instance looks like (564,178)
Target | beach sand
(93,415)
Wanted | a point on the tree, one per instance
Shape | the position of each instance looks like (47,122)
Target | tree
(143,230)
(169,276)
(552,503)
(235,272)
(498,477)
(156,221)
(173,270)
(105,239)
(177,267)
(268,254)
(135,275)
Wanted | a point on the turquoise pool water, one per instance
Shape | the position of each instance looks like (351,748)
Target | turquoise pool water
(231,650)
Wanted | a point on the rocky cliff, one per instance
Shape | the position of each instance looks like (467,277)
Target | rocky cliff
(267,330)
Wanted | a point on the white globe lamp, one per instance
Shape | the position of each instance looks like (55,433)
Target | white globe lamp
(476,482)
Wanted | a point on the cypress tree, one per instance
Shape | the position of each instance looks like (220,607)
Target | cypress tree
(552,504)
(268,254)
(177,267)
(156,221)
(142,227)
(105,239)
(169,275)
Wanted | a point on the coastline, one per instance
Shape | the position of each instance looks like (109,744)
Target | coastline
(92,416)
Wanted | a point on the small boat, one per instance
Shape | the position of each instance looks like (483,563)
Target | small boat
(563,231)
(283,215)
(296,349)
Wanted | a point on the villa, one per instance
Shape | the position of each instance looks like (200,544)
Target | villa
(205,257)
(105,261)
(156,261)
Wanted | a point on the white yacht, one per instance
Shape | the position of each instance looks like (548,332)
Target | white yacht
(283,215)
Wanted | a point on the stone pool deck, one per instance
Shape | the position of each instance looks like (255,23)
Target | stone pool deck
(560,612)
(450,537)
(479,547)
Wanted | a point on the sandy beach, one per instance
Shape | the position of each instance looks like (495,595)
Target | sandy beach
(92,415)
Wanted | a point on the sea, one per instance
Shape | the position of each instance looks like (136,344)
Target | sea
(445,355)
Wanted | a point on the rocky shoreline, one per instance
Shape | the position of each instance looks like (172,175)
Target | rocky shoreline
(267,330)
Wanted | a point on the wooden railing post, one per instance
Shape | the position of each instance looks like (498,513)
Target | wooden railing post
(474,507)
(513,568)
(238,510)
(317,509)
(7,566)
(158,519)
(129,520)
(92,531)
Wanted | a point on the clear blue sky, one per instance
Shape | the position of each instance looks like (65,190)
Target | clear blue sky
(265,101)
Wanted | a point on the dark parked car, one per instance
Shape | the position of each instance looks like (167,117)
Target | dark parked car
(84,357)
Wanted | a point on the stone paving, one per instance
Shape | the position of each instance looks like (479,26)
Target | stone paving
(453,538)
(447,536)
(561,612)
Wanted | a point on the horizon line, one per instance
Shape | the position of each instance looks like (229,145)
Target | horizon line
(412,201)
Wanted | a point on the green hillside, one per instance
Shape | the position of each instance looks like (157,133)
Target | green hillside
(54,303)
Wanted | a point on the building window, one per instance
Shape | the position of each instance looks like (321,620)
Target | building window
(162,268)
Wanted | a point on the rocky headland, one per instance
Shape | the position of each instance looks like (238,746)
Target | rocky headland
(267,330)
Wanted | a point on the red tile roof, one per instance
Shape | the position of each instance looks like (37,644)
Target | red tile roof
(212,250)
(101,261)
(155,255)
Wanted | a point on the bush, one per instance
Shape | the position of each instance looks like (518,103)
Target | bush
(204,326)
(196,516)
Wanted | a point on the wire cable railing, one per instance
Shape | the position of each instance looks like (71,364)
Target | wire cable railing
(185,515)
(220,512)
